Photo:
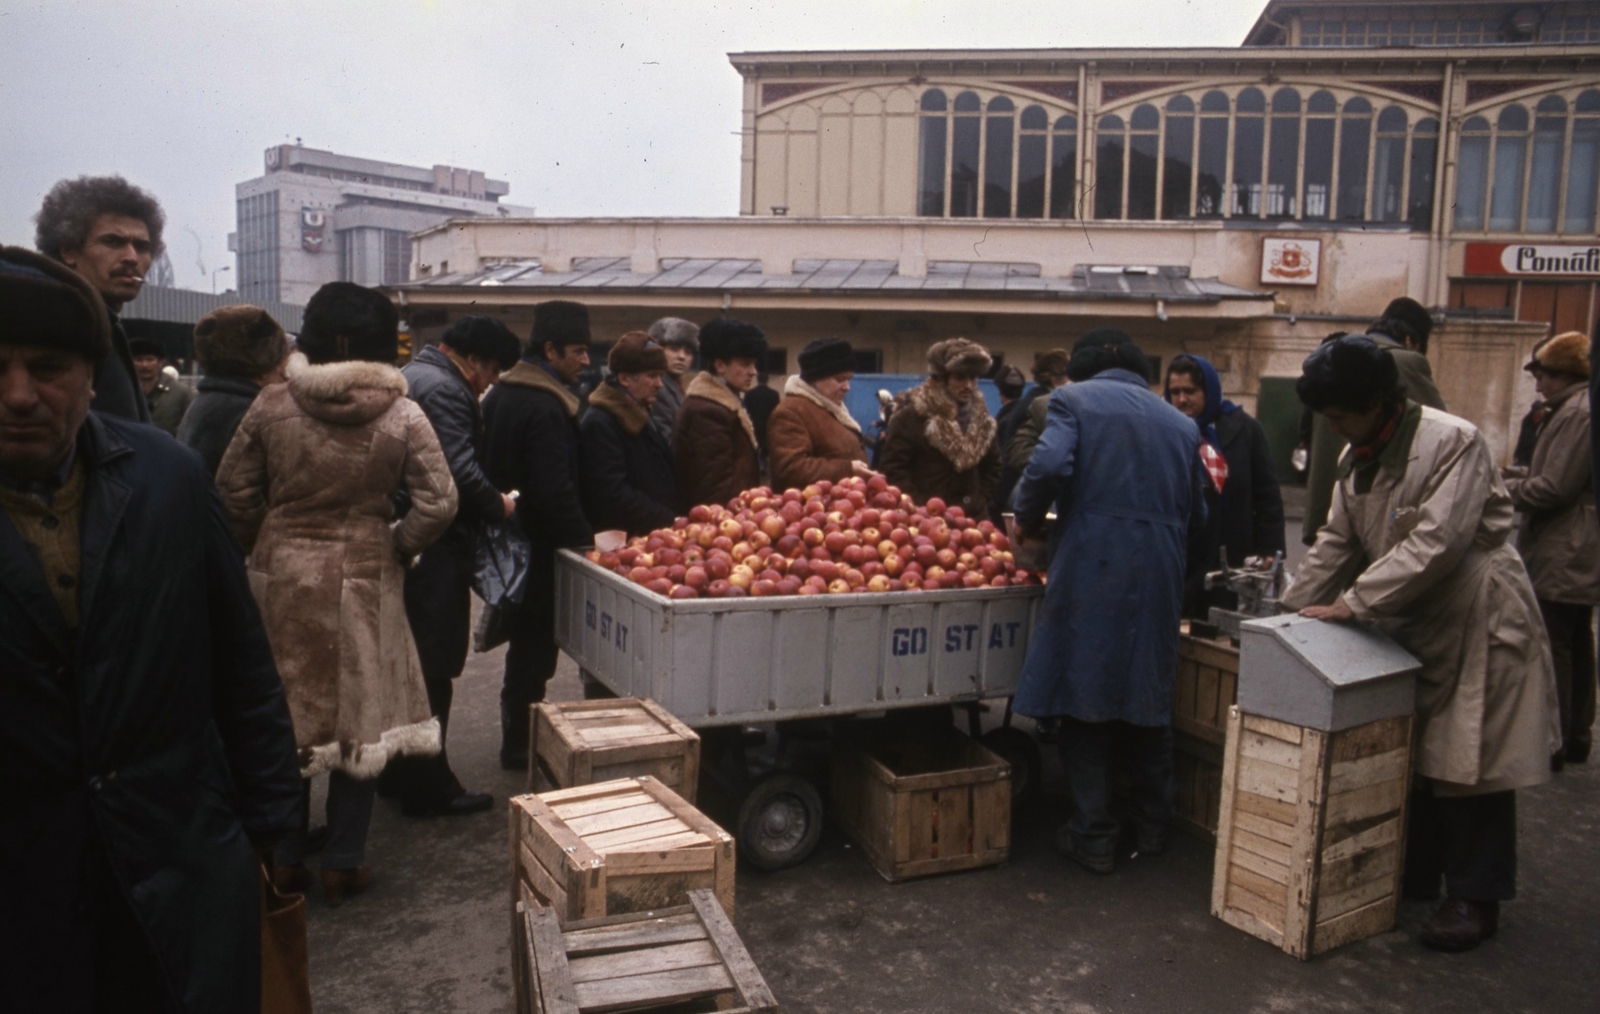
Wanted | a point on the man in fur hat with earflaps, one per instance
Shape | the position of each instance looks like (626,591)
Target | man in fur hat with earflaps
(531,445)
(242,349)
(714,441)
(1560,540)
(941,441)
(629,480)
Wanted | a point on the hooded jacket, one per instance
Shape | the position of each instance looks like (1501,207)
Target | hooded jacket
(629,480)
(310,482)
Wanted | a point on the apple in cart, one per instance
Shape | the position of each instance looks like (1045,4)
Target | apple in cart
(696,577)
(878,583)
(838,586)
(718,589)
(741,577)
(660,585)
(683,591)
(774,526)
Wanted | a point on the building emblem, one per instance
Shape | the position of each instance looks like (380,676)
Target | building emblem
(313,225)
(1290,261)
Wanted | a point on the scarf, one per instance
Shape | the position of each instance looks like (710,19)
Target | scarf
(1216,407)
(1363,453)
(715,391)
(964,446)
(799,388)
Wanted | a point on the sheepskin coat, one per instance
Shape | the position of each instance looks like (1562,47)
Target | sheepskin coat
(927,453)
(629,479)
(309,482)
(810,438)
(715,444)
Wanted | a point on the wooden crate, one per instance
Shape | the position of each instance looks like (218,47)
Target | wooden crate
(629,845)
(583,742)
(923,805)
(664,959)
(1206,687)
(1312,831)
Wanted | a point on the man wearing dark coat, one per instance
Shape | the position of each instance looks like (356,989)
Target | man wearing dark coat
(147,749)
(715,442)
(241,349)
(680,340)
(531,447)
(447,380)
(108,231)
(1122,470)
(629,479)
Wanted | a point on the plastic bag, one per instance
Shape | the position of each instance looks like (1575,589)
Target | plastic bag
(500,575)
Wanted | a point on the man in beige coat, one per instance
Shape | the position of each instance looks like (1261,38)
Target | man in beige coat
(1560,538)
(1418,544)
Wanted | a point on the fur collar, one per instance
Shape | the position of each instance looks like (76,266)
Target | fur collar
(800,389)
(526,374)
(713,390)
(964,448)
(350,392)
(630,415)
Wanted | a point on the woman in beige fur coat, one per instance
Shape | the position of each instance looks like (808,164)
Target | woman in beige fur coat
(310,481)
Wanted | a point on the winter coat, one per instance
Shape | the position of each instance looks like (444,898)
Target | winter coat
(155,735)
(1012,416)
(310,481)
(169,400)
(928,454)
(664,413)
(1424,555)
(445,397)
(1122,469)
(220,402)
(810,438)
(759,404)
(715,444)
(629,480)
(1560,541)
(116,385)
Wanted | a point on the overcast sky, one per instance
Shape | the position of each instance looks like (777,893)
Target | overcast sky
(586,108)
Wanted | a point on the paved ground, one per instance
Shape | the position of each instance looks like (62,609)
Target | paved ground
(1035,935)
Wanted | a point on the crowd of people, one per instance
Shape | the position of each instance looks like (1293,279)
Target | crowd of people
(197,627)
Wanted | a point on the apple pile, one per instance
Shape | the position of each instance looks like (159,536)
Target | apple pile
(834,538)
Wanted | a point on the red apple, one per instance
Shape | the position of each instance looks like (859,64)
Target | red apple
(717,589)
(660,585)
(935,506)
(683,591)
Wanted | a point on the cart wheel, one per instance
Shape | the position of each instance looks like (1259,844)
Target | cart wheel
(780,822)
(1019,750)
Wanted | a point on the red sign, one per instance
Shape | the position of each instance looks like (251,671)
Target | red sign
(1533,260)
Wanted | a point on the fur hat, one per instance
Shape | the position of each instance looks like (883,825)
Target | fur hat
(636,352)
(1350,372)
(726,338)
(1566,355)
(1106,348)
(1406,319)
(826,357)
(146,347)
(958,356)
(675,332)
(1011,382)
(560,321)
(1047,366)
(45,303)
(477,335)
(239,341)
(346,321)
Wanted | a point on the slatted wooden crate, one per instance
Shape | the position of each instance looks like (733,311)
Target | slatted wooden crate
(1207,686)
(920,805)
(583,742)
(1312,831)
(629,845)
(683,958)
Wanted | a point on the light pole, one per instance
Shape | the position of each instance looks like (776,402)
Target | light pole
(225,267)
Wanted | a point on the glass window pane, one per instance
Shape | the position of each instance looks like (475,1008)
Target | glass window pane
(997,165)
(1392,120)
(1035,118)
(1319,167)
(1251,100)
(1286,100)
(1424,159)
(1589,102)
(1214,102)
(1142,155)
(1283,161)
(930,184)
(1544,178)
(967,102)
(1388,177)
(1552,104)
(1505,202)
(1180,104)
(1581,173)
(1353,147)
(1475,124)
(1145,118)
(1179,166)
(1249,135)
(1472,171)
(1001,104)
(933,101)
(1064,169)
(1322,102)
(1108,169)
(1356,106)
(1030,175)
(1513,118)
(1213,165)
(964,165)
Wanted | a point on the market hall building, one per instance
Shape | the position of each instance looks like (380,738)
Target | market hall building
(1237,203)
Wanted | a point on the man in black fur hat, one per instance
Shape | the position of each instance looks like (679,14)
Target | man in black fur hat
(531,445)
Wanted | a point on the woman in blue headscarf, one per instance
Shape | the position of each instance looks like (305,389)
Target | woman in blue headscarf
(1246,506)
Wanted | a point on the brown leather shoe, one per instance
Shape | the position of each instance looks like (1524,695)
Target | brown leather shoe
(291,879)
(338,883)
(1461,925)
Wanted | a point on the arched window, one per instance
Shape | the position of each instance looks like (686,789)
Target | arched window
(1108,174)
(1510,154)
(1424,159)
(930,175)
(1064,168)
(1544,173)
(1144,152)
(1213,158)
(1472,174)
(1583,165)
(1320,123)
(1355,143)
(966,142)
(1283,158)
(1249,136)
(1032,158)
(999,129)
(1178,167)
(1389,166)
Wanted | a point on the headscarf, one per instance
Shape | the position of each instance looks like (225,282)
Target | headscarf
(1216,405)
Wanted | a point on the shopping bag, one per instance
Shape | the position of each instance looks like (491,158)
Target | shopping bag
(285,976)
(500,573)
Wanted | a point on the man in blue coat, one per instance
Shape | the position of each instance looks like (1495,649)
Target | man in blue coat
(1122,469)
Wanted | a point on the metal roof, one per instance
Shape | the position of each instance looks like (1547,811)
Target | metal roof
(1087,282)
(187,306)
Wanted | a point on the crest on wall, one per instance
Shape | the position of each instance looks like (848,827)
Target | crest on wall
(313,226)
(1290,261)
